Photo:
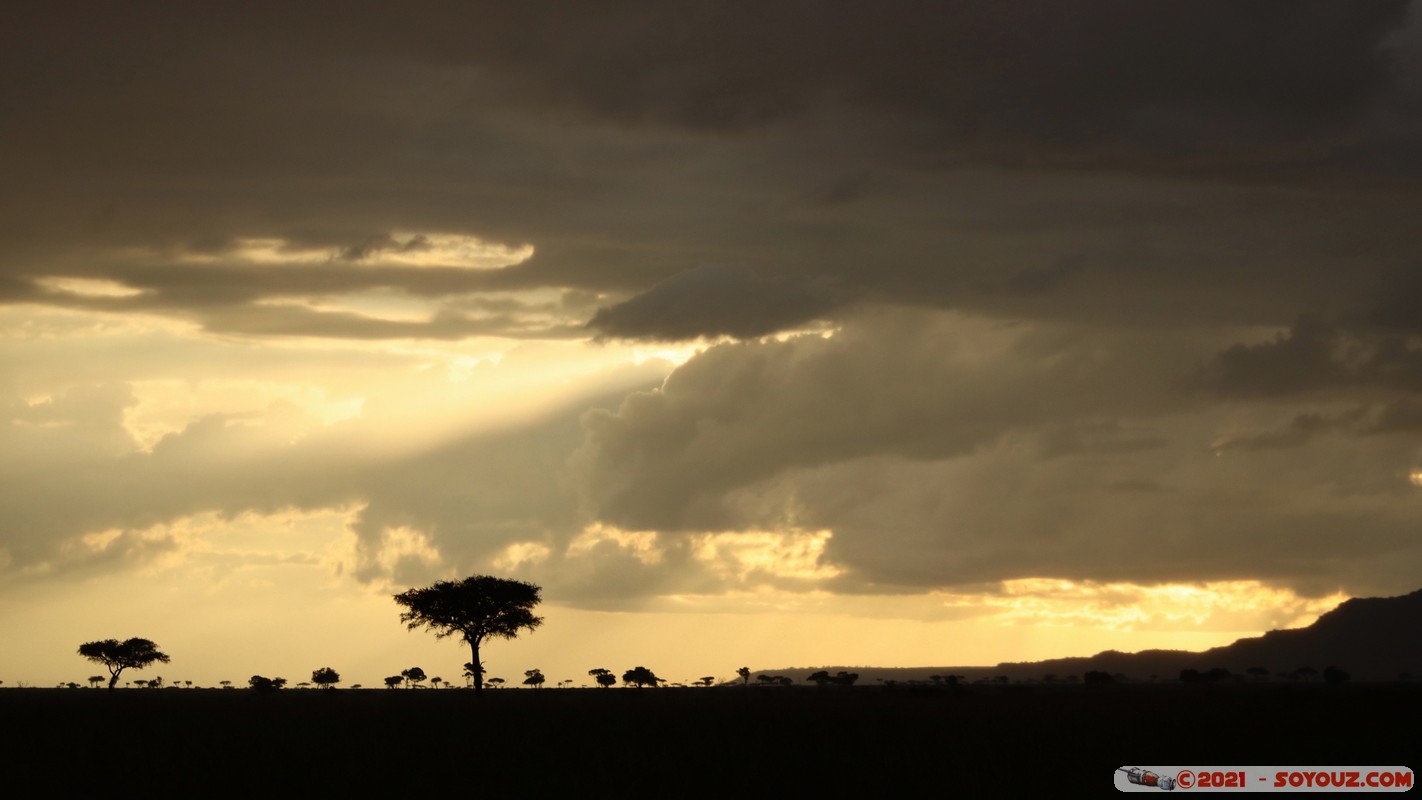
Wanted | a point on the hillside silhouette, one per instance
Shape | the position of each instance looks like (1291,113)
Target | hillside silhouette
(1373,638)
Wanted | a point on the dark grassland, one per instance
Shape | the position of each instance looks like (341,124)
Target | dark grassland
(672,741)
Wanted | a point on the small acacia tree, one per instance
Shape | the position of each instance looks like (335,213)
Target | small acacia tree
(118,656)
(326,678)
(413,676)
(640,676)
(477,608)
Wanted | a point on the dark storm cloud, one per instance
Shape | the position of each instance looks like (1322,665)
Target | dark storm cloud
(1316,355)
(957,454)
(1399,417)
(721,64)
(1300,430)
(1096,436)
(1393,306)
(976,70)
(821,143)
(1041,280)
(714,301)
(1172,77)
(908,386)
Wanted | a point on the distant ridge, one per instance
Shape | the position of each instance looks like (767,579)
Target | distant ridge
(1372,638)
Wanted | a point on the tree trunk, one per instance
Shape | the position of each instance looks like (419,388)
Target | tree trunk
(478,670)
(113,679)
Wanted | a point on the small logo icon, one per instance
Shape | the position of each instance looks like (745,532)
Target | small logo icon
(1146,778)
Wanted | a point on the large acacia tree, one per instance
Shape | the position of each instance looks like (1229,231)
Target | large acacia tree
(118,656)
(477,608)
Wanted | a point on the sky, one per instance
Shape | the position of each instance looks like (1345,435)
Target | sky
(757,334)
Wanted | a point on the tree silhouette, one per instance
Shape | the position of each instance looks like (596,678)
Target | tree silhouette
(477,608)
(225,684)
(707,680)
(604,677)
(118,656)
(326,678)
(843,678)
(533,677)
(413,676)
(1208,678)
(393,681)
(263,684)
(436,681)
(496,682)
(640,676)
(1097,678)
(95,680)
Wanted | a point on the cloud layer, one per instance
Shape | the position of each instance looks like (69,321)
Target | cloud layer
(982,291)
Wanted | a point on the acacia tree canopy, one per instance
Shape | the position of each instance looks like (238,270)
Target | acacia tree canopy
(477,608)
(640,676)
(326,677)
(117,656)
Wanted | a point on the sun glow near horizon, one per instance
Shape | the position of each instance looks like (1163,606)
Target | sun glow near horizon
(268,593)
